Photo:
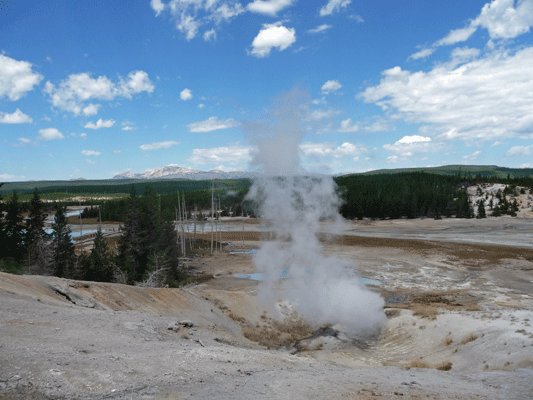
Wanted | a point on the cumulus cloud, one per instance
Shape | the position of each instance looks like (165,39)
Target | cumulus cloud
(190,15)
(158,145)
(24,140)
(128,126)
(519,151)
(347,126)
(18,117)
(410,145)
(50,134)
(269,7)
(334,6)
(329,150)
(7,177)
(330,86)
(216,155)
(424,53)
(72,93)
(212,124)
(186,94)
(100,124)
(321,28)
(473,156)
(270,36)
(318,115)
(157,6)
(16,78)
(210,34)
(90,153)
(485,99)
(501,18)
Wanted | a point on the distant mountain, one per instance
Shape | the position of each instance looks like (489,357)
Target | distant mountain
(78,179)
(175,172)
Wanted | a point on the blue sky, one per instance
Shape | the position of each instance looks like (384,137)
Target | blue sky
(93,89)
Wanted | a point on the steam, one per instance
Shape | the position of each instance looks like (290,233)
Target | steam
(324,290)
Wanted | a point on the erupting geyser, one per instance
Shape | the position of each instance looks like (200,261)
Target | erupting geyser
(324,290)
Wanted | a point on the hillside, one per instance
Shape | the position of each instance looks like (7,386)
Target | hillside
(483,170)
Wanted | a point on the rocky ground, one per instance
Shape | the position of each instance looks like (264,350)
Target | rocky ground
(459,302)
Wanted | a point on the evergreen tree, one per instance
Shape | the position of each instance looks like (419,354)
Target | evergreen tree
(98,266)
(37,240)
(14,233)
(481,209)
(63,248)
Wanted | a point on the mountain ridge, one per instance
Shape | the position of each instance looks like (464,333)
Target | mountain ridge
(175,172)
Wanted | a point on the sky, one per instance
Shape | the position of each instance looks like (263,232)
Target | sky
(94,89)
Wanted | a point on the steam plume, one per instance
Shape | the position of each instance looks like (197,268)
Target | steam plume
(324,290)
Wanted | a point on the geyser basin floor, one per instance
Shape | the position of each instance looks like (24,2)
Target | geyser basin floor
(464,304)
(259,276)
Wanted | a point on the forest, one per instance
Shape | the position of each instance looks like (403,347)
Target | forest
(148,253)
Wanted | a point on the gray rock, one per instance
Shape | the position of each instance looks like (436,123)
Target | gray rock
(187,323)
(174,326)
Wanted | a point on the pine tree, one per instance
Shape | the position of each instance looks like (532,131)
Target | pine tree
(481,209)
(37,240)
(14,241)
(63,248)
(99,266)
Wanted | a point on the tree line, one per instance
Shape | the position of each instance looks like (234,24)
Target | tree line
(147,251)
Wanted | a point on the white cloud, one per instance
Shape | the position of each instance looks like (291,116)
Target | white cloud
(334,6)
(526,165)
(272,35)
(81,135)
(357,18)
(100,124)
(18,117)
(117,151)
(410,145)
(329,150)
(321,28)
(347,126)
(414,139)
(129,128)
(500,18)
(157,6)
(201,105)
(186,94)
(24,140)
(519,151)
(318,115)
(90,153)
(211,34)
(190,15)
(50,134)
(217,155)
(392,159)
(16,78)
(473,156)
(7,177)
(212,124)
(503,21)
(87,161)
(158,145)
(424,53)
(485,99)
(91,109)
(456,36)
(330,86)
(269,7)
(72,93)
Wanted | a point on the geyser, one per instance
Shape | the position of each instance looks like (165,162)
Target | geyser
(324,290)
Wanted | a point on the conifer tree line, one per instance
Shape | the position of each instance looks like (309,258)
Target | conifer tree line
(147,250)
